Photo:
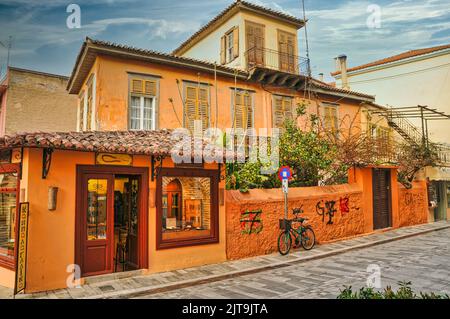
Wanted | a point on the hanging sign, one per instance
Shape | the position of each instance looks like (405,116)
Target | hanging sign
(114,159)
(16,156)
(21,263)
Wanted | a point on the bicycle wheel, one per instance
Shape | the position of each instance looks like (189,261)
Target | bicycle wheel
(284,243)
(308,238)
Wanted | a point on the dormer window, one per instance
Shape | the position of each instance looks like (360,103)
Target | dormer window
(229,46)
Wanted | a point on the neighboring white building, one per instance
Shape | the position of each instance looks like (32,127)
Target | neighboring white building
(417,77)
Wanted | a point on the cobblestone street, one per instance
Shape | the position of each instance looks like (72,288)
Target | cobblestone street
(424,260)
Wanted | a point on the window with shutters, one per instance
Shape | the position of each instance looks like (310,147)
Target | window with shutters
(230,46)
(242,106)
(196,105)
(89,105)
(286,48)
(82,108)
(283,109)
(330,118)
(142,108)
(255,41)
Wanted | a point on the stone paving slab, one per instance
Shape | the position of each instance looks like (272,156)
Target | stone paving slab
(135,284)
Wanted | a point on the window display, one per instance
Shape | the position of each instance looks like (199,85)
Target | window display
(188,211)
(97,209)
(8,204)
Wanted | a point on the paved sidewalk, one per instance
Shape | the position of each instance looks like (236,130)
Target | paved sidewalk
(135,284)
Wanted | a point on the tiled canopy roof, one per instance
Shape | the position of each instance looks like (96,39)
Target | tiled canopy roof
(398,57)
(351,94)
(158,143)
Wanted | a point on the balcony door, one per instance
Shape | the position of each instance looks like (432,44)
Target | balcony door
(255,44)
(286,52)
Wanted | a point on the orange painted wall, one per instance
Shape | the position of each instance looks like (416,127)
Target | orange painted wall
(7,277)
(271,202)
(51,246)
(409,207)
(413,204)
(112,95)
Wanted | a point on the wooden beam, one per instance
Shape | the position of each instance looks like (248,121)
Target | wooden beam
(283,79)
(272,78)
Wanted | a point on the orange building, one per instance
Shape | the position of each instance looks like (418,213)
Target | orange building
(109,198)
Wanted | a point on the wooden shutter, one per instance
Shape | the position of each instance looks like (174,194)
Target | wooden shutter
(248,111)
(191,107)
(238,111)
(137,86)
(259,40)
(150,88)
(287,108)
(236,42)
(203,107)
(89,107)
(140,86)
(278,114)
(81,127)
(223,51)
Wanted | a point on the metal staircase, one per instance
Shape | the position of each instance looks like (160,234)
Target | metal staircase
(403,127)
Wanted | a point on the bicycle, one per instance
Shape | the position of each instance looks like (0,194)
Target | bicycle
(303,235)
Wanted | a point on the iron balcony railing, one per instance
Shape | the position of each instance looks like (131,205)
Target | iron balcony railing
(443,153)
(276,60)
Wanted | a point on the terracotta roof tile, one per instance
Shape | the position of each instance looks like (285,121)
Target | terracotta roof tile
(158,142)
(398,57)
(330,87)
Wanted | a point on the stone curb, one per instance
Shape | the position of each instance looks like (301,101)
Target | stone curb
(137,292)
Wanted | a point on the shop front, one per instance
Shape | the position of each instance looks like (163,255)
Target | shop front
(96,209)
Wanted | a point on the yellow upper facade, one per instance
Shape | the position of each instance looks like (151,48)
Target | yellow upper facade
(245,36)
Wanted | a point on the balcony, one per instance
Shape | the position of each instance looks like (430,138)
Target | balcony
(276,61)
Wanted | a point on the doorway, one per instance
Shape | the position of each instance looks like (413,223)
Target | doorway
(111,228)
(381,188)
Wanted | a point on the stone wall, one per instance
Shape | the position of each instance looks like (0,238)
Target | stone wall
(333,211)
(39,102)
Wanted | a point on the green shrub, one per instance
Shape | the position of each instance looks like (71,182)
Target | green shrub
(404,292)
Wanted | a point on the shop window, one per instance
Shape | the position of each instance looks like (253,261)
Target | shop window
(97,208)
(188,207)
(8,212)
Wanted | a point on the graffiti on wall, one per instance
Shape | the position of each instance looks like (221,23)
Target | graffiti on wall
(251,222)
(329,209)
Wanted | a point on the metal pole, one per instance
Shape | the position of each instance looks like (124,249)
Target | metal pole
(285,206)
(423,124)
(426,130)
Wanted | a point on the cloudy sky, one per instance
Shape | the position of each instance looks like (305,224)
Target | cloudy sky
(42,40)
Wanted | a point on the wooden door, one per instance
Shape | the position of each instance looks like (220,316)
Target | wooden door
(286,52)
(133,193)
(255,44)
(381,182)
(96,222)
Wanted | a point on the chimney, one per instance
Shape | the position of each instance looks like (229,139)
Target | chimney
(321,77)
(341,66)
